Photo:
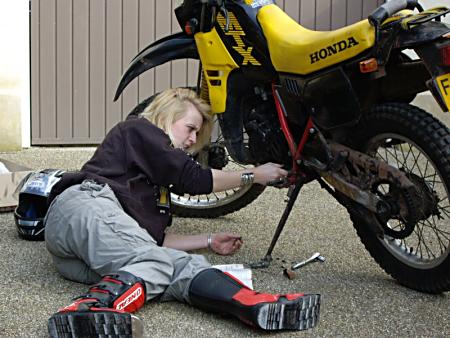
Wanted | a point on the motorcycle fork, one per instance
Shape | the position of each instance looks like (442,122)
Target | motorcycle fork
(295,179)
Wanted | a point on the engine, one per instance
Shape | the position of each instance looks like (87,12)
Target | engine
(266,141)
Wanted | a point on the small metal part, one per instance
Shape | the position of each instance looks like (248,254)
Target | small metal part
(263,263)
(314,258)
(289,274)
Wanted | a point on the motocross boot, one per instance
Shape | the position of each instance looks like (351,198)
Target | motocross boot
(217,291)
(104,311)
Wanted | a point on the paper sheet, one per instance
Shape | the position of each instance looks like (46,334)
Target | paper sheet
(3,169)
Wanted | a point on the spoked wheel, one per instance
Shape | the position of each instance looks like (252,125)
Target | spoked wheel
(220,203)
(417,254)
(425,243)
(215,204)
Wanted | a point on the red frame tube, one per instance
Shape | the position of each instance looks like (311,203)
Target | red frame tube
(296,151)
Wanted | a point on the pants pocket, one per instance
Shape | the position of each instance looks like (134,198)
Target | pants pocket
(127,228)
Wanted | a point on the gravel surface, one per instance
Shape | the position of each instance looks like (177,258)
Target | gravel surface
(359,299)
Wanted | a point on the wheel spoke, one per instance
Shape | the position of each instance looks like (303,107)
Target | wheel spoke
(395,158)
(434,182)
(445,211)
(237,163)
(428,250)
(415,162)
(439,235)
(443,199)
(381,156)
(426,169)
(428,176)
(407,156)
(419,244)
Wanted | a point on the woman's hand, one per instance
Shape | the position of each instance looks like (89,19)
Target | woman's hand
(224,180)
(225,243)
(269,172)
(221,243)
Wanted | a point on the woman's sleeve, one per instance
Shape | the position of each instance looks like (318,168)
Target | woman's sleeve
(148,148)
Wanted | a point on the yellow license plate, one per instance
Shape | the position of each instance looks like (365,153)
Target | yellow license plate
(443,82)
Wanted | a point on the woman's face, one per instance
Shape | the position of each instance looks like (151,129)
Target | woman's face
(184,131)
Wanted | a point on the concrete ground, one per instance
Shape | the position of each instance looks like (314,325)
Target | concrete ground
(359,299)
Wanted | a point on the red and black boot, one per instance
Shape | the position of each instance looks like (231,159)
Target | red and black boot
(104,311)
(214,290)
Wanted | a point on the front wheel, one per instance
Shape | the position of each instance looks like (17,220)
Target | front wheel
(412,140)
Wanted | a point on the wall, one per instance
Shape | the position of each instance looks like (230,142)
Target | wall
(14,75)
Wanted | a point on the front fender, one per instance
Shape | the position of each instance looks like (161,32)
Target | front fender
(173,47)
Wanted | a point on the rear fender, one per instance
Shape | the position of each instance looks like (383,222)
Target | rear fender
(427,40)
(432,55)
(173,47)
(421,34)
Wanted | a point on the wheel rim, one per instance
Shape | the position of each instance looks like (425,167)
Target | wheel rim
(214,200)
(429,244)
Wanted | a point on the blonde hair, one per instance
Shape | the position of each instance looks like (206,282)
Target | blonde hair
(171,105)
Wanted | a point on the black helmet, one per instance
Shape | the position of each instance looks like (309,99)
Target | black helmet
(30,212)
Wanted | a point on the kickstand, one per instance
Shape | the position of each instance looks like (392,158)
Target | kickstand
(292,196)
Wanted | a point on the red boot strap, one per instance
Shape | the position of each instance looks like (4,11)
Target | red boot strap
(112,280)
(293,296)
(106,309)
(131,300)
(75,306)
(98,290)
(249,297)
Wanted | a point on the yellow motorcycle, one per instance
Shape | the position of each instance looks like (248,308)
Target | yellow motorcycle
(333,107)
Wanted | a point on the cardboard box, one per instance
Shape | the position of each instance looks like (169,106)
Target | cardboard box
(9,182)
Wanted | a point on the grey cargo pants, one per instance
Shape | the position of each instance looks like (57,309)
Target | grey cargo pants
(89,235)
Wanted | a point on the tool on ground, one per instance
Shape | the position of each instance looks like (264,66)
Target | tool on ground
(290,273)
(317,257)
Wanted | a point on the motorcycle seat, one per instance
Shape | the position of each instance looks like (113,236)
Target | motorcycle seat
(296,49)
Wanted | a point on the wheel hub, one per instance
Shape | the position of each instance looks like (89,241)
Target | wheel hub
(399,204)
(427,199)
(217,156)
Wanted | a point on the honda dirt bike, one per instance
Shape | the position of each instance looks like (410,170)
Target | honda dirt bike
(332,107)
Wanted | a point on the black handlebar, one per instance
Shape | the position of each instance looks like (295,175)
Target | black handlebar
(390,8)
(213,3)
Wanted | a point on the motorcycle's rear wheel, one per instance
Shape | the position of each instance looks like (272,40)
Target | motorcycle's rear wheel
(414,141)
(215,204)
